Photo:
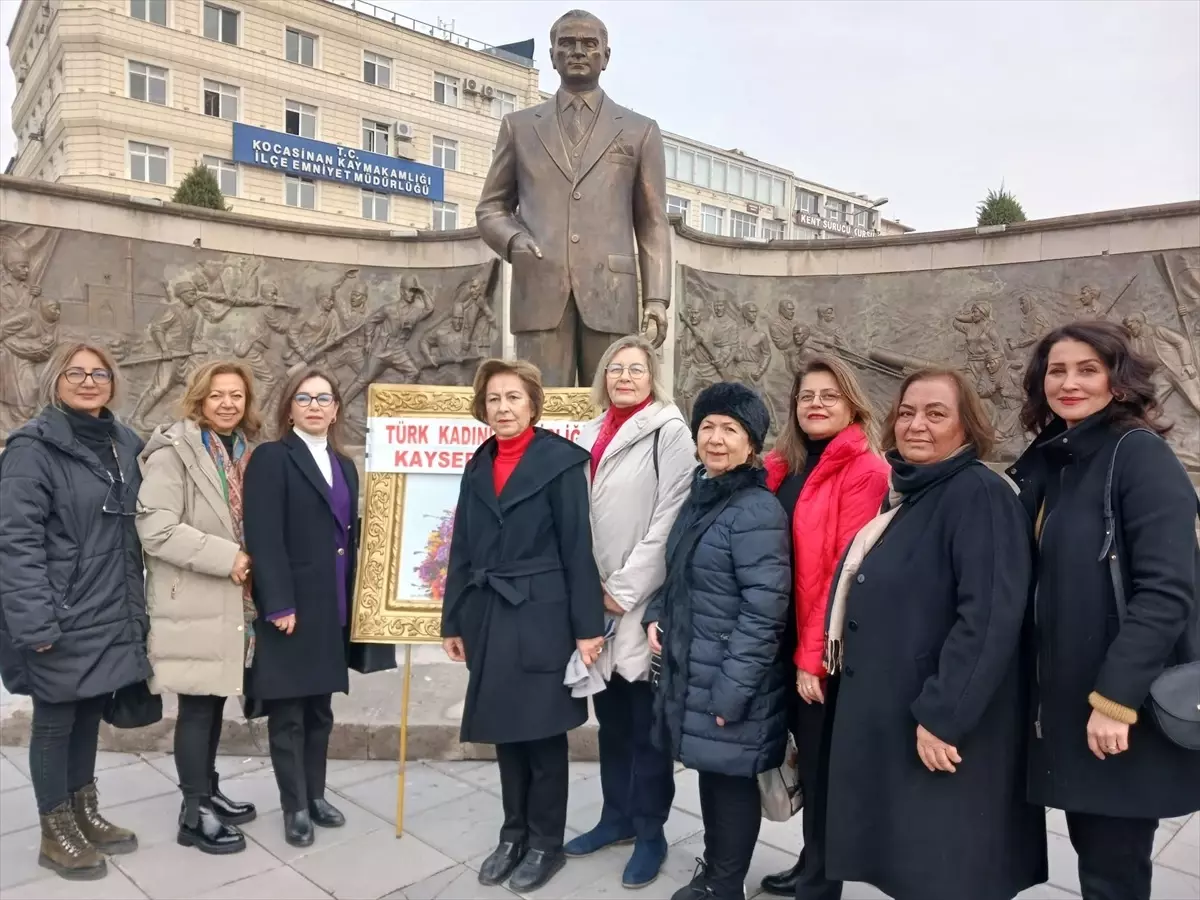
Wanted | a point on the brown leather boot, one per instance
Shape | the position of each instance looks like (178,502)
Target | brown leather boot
(65,851)
(101,833)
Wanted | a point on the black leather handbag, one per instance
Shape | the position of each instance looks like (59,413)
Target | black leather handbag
(133,706)
(1174,702)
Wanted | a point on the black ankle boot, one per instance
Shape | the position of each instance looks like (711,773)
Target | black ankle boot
(783,884)
(230,811)
(298,828)
(202,828)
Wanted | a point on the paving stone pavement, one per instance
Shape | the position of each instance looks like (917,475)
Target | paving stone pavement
(452,816)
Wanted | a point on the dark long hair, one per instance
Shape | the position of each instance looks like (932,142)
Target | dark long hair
(1135,401)
(283,416)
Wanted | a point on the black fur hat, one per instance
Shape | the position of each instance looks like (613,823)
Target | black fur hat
(728,398)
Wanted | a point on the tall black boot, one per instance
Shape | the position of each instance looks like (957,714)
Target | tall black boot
(202,828)
(230,811)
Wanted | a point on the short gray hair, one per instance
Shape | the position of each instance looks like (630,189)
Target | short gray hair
(658,388)
(61,361)
(577,14)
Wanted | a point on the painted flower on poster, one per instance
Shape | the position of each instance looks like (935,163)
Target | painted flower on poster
(432,570)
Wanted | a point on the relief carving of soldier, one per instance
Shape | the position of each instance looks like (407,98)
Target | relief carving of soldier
(16,293)
(753,349)
(478,319)
(797,348)
(828,333)
(974,321)
(1000,387)
(1034,324)
(172,335)
(389,330)
(27,339)
(1174,354)
(783,327)
(576,188)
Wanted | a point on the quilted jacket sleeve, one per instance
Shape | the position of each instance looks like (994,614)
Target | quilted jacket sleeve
(759,547)
(26,596)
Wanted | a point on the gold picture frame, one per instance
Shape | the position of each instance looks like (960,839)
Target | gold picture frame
(379,615)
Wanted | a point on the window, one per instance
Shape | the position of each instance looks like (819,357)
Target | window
(763,193)
(862,218)
(671,155)
(376,206)
(147,163)
(742,225)
(149,11)
(772,230)
(717,181)
(300,119)
(445,216)
(806,202)
(377,70)
(712,219)
(220,100)
(685,165)
(301,192)
(734,184)
(300,48)
(148,83)
(375,136)
(677,206)
(833,209)
(220,24)
(778,189)
(445,89)
(225,172)
(445,153)
(502,104)
(703,166)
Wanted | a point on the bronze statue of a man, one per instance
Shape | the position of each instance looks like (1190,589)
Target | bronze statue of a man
(576,185)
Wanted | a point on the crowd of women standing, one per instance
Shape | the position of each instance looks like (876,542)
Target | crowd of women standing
(206,562)
(951,651)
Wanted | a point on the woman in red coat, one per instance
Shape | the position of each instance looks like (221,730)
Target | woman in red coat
(831,482)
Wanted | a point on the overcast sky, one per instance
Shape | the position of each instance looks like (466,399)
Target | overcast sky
(1076,105)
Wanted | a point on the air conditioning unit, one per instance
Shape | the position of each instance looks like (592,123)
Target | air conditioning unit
(404,131)
(471,85)
(488,91)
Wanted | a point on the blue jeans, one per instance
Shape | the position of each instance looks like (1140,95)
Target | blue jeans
(638,781)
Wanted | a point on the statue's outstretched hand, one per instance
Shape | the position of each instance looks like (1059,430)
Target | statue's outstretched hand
(523,243)
(655,311)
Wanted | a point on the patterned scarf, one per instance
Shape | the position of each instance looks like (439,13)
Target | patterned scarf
(231,472)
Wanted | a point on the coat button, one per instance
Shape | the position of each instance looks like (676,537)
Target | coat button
(238,691)
(861,578)
(240,628)
(849,672)
(574,239)
(577,195)
(852,625)
(341,552)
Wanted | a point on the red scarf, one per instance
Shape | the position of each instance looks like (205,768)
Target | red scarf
(614,418)
(508,453)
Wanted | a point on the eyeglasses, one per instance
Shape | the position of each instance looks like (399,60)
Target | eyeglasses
(322,400)
(616,370)
(76,375)
(114,500)
(825,398)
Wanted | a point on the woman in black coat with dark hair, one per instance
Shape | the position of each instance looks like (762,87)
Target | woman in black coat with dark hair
(1093,753)
(721,705)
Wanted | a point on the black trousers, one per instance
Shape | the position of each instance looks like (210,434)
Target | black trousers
(62,749)
(637,779)
(1114,855)
(533,786)
(298,732)
(808,728)
(732,815)
(197,734)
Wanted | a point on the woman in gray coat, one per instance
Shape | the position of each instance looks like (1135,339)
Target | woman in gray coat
(72,598)
(641,468)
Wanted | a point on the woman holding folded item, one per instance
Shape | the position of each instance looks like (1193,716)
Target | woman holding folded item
(522,596)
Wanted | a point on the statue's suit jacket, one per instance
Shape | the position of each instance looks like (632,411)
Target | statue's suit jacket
(583,217)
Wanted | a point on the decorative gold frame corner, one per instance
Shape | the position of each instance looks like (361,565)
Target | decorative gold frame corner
(378,617)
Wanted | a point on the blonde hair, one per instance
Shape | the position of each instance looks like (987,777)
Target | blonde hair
(60,361)
(790,443)
(531,378)
(658,388)
(191,406)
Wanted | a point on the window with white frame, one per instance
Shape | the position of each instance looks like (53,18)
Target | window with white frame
(833,209)
(147,83)
(220,24)
(149,11)
(445,153)
(772,230)
(712,219)
(226,173)
(862,218)
(445,89)
(677,206)
(743,225)
(377,70)
(376,206)
(148,162)
(733,184)
(685,165)
(671,156)
(220,100)
(503,103)
(445,216)
(806,202)
(717,178)
(300,47)
(301,192)
(376,136)
(300,119)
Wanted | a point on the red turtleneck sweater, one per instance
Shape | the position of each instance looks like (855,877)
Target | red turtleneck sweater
(613,420)
(508,453)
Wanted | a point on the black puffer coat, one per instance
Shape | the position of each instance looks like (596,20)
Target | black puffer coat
(70,574)
(721,615)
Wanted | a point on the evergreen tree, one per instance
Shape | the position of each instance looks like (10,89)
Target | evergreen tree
(199,188)
(1000,208)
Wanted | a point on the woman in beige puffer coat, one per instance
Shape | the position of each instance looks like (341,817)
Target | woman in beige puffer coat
(201,640)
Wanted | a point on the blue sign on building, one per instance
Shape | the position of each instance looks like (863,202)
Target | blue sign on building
(295,155)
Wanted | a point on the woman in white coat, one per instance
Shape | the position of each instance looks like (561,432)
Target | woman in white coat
(643,457)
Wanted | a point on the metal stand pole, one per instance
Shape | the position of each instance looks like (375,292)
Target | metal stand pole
(404,698)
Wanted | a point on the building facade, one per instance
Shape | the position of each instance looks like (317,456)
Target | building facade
(330,112)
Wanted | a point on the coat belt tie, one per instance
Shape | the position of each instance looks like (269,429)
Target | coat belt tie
(499,577)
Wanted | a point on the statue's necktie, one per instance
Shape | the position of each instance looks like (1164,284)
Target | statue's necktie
(574,121)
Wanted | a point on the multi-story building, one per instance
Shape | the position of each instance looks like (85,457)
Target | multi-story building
(330,112)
